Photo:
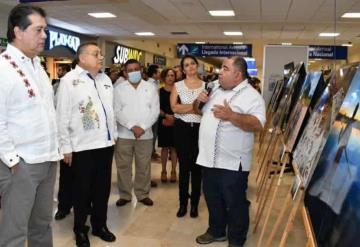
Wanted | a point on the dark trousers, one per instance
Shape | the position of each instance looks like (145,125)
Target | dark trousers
(65,187)
(225,196)
(92,182)
(186,144)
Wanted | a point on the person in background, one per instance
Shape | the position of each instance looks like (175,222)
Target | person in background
(113,75)
(179,74)
(186,130)
(62,69)
(87,134)
(66,175)
(255,82)
(233,112)
(166,126)
(144,75)
(121,78)
(28,133)
(136,110)
(153,73)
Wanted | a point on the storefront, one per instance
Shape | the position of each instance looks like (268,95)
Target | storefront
(60,47)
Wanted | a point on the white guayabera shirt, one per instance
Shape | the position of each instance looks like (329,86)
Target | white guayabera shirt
(222,144)
(27,115)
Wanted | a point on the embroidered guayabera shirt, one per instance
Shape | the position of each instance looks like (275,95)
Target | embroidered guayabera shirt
(27,114)
(136,107)
(222,144)
(85,112)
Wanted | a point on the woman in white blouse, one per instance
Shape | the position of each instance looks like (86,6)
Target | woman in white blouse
(186,134)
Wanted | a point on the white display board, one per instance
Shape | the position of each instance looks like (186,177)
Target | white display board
(275,57)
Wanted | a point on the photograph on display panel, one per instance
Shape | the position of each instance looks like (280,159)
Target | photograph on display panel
(292,89)
(312,141)
(310,92)
(333,195)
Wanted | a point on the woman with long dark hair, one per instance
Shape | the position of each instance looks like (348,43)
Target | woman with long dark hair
(186,134)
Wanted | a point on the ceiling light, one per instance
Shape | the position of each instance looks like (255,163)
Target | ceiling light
(238,43)
(329,34)
(231,33)
(222,12)
(286,43)
(145,34)
(347,44)
(351,15)
(200,42)
(102,15)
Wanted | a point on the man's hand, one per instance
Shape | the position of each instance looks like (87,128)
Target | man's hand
(203,97)
(68,159)
(223,112)
(14,168)
(137,131)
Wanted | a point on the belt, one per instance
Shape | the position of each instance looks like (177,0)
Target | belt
(191,124)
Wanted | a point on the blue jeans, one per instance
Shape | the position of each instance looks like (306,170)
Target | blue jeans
(225,196)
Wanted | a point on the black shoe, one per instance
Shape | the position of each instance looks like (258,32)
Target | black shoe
(60,215)
(147,201)
(122,202)
(182,211)
(153,184)
(82,239)
(194,212)
(104,234)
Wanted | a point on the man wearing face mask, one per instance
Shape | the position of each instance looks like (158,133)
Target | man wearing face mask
(136,110)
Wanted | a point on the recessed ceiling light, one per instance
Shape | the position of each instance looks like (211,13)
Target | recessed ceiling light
(286,43)
(222,12)
(347,44)
(233,33)
(200,42)
(329,34)
(238,43)
(145,34)
(351,15)
(102,15)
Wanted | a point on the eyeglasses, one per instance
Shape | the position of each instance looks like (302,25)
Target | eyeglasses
(96,54)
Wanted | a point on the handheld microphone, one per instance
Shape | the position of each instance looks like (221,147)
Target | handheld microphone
(208,87)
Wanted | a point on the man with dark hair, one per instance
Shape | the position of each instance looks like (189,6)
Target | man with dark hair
(28,143)
(87,133)
(233,112)
(136,109)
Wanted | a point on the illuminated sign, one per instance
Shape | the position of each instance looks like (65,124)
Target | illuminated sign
(123,53)
(63,39)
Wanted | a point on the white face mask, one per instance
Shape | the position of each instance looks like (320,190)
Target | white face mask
(134,77)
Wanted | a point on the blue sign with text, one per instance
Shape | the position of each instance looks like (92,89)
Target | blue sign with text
(214,50)
(328,52)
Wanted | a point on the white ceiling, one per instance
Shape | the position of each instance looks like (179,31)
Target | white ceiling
(296,21)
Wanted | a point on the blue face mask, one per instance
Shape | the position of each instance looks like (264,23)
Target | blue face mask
(134,77)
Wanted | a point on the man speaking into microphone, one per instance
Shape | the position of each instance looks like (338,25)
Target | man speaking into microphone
(233,111)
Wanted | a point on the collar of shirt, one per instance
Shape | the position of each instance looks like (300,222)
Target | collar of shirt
(80,71)
(19,55)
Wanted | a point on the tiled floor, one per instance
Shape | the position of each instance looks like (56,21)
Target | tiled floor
(136,225)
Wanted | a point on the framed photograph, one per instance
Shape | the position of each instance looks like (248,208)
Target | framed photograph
(333,194)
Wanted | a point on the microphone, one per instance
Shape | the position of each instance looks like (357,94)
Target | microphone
(208,87)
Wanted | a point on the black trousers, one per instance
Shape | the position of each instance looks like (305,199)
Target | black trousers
(186,144)
(65,187)
(92,182)
(225,196)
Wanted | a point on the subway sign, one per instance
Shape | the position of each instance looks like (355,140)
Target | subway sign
(123,53)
